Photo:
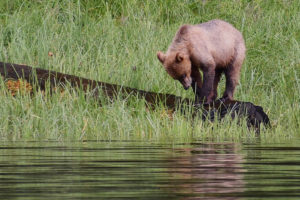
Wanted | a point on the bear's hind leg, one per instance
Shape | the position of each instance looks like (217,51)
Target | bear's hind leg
(232,71)
(232,74)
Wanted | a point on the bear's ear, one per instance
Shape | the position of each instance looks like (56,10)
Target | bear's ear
(161,56)
(178,57)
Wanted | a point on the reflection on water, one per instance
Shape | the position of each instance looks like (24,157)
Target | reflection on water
(131,170)
(209,170)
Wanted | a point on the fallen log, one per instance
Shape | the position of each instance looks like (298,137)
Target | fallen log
(217,110)
(42,77)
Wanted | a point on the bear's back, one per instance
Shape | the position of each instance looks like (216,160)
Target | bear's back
(218,31)
(218,38)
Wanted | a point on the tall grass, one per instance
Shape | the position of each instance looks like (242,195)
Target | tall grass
(117,41)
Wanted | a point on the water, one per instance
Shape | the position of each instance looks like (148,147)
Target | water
(132,170)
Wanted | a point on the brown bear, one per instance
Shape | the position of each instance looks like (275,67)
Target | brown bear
(215,47)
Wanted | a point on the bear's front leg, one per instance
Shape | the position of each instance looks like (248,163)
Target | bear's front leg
(206,94)
(196,90)
(196,83)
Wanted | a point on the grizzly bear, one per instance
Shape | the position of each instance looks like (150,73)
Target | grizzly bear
(214,47)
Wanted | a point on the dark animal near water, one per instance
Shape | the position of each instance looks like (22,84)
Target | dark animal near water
(254,115)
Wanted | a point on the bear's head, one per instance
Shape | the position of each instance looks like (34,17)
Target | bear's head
(178,66)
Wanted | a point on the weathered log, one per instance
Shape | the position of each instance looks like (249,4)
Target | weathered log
(40,77)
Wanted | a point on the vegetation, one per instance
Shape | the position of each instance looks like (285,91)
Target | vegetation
(117,41)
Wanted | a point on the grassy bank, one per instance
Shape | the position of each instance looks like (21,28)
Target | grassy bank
(117,41)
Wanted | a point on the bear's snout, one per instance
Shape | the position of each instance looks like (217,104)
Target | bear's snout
(186,82)
(186,87)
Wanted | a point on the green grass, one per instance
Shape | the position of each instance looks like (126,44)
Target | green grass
(104,40)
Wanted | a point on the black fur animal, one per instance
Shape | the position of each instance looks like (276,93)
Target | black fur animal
(254,115)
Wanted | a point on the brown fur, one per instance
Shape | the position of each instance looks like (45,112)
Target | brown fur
(215,47)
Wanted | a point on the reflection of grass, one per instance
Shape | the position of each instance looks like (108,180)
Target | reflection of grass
(117,41)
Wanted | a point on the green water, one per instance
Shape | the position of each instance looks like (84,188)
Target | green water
(134,170)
